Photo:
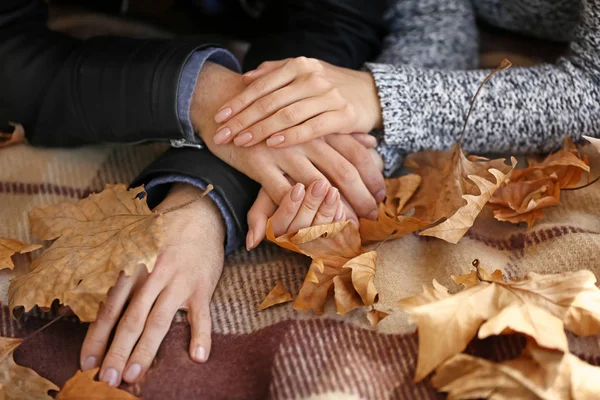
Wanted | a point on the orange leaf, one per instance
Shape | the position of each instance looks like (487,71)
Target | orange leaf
(346,297)
(20,383)
(98,237)
(279,294)
(9,247)
(315,289)
(363,276)
(82,386)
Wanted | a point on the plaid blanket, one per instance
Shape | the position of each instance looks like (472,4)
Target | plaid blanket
(280,353)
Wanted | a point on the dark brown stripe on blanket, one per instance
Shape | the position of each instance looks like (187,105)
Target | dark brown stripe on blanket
(21,188)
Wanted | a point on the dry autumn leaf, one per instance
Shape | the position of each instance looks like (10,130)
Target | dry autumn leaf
(536,374)
(16,137)
(447,323)
(375,316)
(279,294)
(20,383)
(9,247)
(594,141)
(82,386)
(98,237)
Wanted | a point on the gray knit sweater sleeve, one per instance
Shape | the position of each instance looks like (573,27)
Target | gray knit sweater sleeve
(522,110)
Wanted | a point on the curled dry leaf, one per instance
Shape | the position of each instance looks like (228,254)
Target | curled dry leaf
(98,237)
(537,373)
(9,247)
(447,323)
(20,383)
(375,316)
(82,386)
(16,137)
(279,294)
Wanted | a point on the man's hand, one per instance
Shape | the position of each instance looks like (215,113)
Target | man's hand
(342,160)
(185,276)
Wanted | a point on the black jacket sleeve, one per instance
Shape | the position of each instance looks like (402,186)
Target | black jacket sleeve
(67,92)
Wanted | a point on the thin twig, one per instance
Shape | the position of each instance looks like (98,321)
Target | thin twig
(209,188)
(386,239)
(42,328)
(584,186)
(505,64)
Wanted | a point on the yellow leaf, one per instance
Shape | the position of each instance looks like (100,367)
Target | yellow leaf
(447,323)
(98,237)
(375,316)
(9,247)
(363,275)
(279,294)
(468,280)
(20,383)
(536,374)
(82,386)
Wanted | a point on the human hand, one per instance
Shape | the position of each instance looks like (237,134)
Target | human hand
(296,100)
(343,160)
(186,273)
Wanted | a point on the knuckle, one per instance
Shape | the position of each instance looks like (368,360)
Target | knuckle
(345,171)
(349,111)
(265,105)
(290,114)
(118,354)
(108,313)
(144,352)
(237,124)
(258,86)
(318,82)
(132,322)
(160,320)
(316,126)
(280,192)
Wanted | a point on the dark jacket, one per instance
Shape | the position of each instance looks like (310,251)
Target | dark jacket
(68,92)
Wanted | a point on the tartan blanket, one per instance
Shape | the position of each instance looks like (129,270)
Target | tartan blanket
(279,353)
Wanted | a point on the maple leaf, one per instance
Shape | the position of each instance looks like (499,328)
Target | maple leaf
(447,323)
(536,374)
(449,179)
(96,239)
(20,383)
(9,247)
(524,201)
(279,294)
(82,386)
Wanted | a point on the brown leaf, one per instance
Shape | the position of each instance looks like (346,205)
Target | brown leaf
(363,276)
(315,289)
(524,201)
(279,294)
(98,237)
(446,178)
(10,139)
(447,323)
(344,293)
(9,247)
(20,383)
(375,316)
(536,374)
(82,386)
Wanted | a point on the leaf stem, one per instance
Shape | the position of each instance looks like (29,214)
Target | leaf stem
(209,189)
(505,64)
(42,328)
(584,186)
(386,239)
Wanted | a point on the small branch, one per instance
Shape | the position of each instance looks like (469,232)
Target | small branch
(505,64)
(386,239)
(584,186)
(42,328)
(209,189)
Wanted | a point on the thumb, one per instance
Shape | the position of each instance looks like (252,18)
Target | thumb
(262,209)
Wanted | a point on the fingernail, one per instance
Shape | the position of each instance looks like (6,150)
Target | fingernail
(275,140)
(250,73)
(297,192)
(110,375)
(354,221)
(200,354)
(133,372)
(380,195)
(243,139)
(339,213)
(332,196)
(223,115)
(89,363)
(319,189)
(373,215)
(249,242)
(222,135)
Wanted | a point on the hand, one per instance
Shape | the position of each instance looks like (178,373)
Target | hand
(185,276)
(299,209)
(344,161)
(296,100)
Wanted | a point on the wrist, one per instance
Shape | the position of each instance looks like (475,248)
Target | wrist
(371,98)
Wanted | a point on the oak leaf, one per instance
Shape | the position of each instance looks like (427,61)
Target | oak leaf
(537,373)
(9,247)
(447,323)
(20,383)
(97,238)
(279,294)
(82,386)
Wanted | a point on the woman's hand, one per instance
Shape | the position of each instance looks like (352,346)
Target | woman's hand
(296,100)
(186,273)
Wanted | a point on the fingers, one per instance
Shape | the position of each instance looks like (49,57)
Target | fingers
(262,69)
(288,209)
(275,183)
(99,331)
(155,329)
(262,209)
(365,139)
(315,194)
(359,156)
(343,174)
(331,208)
(200,325)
